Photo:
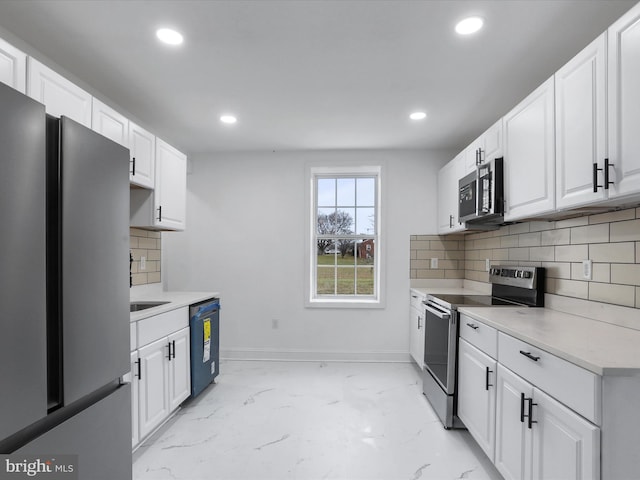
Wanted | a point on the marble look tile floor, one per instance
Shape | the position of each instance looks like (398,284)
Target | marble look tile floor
(308,421)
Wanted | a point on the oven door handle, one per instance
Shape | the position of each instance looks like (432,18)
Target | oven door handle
(438,313)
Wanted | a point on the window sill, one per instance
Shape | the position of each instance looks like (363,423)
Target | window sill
(346,303)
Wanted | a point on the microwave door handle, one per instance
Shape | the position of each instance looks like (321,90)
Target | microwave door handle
(438,313)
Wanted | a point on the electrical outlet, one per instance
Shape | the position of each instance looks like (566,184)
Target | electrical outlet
(586,269)
(143,263)
(487,265)
(434,263)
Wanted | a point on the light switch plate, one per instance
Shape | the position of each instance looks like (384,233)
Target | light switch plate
(487,265)
(434,263)
(143,263)
(586,269)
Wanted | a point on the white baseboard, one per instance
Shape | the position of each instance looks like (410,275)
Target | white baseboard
(313,355)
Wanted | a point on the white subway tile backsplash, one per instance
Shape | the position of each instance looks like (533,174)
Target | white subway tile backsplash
(625,274)
(612,216)
(611,293)
(612,252)
(556,237)
(590,234)
(146,244)
(571,253)
(610,240)
(625,231)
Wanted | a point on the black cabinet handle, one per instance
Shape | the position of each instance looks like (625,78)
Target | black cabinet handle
(522,407)
(606,174)
(480,156)
(419,326)
(486,381)
(173,355)
(169,347)
(472,325)
(595,178)
(530,416)
(477,156)
(450,221)
(528,355)
(139,363)
(160,213)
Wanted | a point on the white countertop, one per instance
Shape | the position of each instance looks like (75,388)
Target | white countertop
(447,291)
(597,346)
(174,299)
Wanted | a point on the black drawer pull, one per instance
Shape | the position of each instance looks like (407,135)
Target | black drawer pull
(528,355)
(472,325)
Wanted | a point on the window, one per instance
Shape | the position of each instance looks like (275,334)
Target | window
(345,222)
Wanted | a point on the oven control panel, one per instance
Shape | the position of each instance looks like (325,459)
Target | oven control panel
(517,276)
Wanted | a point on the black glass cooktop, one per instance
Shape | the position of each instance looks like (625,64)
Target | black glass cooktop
(471,300)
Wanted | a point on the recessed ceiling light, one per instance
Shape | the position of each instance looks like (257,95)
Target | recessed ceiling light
(469,25)
(228,119)
(169,36)
(418,116)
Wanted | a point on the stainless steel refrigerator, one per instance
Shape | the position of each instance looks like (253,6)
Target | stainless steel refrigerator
(64,291)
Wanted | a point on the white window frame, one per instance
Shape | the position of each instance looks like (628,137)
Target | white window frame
(343,301)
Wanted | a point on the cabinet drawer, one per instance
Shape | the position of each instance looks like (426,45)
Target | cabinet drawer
(570,384)
(416,300)
(480,335)
(152,328)
(133,336)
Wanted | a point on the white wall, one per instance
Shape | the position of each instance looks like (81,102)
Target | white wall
(245,237)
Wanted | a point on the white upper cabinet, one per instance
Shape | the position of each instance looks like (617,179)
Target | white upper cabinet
(110,123)
(171,186)
(164,208)
(448,177)
(529,155)
(623,105)
(142,148)
(59,95)
(486,147)
(13,66)
(581,126)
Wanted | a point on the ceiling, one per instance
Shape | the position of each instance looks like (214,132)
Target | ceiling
(311,74)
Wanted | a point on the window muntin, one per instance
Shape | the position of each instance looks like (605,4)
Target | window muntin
(345,236)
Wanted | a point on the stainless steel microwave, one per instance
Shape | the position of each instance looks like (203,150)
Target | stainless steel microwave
(481,194)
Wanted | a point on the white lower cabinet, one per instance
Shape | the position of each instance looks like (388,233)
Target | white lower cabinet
(154,386)
(161,370)
(135,386)
(416,325)
(477,395)
(538,437)
(528,433)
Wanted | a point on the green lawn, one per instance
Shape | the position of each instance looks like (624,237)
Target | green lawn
(345,274)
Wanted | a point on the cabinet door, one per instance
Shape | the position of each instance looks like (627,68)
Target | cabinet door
(416,323)
(179,369)
(448,177)
(154,401)
(135,397)
(171,187)
(529,155)
(472,155)
(513,442)
(492,142)
(564,444)
(108,122)
(59,95)
(13,66)
(580,125)
(624,98)
(142,147)
(477,395)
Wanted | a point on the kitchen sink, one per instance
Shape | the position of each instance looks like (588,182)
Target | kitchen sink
(137,306)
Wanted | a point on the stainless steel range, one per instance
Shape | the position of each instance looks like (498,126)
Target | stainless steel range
(512,286)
